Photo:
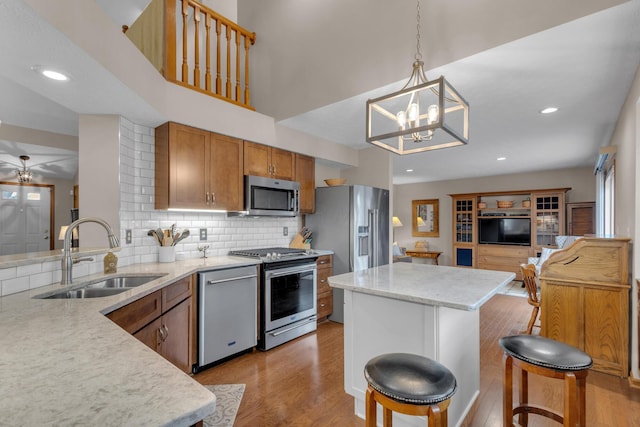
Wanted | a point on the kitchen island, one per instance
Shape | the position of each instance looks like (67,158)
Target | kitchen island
(422,309)
(63,362)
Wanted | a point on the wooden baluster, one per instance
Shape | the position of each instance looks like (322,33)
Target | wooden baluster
(196,46)
(228,86)
(237,94)
(207,74)
(170,64)
(218,78)
(185,65)
(247,94)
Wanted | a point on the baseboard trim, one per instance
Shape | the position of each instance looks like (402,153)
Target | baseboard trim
(634,382)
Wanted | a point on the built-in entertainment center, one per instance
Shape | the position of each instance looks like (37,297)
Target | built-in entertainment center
(500,230)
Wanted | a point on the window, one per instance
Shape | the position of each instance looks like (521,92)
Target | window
(609,201)
(605,199)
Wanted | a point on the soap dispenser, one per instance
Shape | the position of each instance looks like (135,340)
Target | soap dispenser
(110,263)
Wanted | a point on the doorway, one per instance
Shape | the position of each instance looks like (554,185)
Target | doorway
(26,218)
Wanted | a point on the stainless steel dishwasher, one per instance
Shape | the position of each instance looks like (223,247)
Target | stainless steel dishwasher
(227,313)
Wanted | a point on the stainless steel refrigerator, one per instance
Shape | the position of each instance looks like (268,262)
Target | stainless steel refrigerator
(353,221)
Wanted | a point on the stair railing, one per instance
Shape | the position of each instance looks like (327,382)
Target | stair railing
(189,31)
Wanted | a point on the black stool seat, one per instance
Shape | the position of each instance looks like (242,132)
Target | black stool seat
(545,352)
(409,378)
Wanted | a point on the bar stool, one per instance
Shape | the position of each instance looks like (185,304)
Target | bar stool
(549,358)
(408,384)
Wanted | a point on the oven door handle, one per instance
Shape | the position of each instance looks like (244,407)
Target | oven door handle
(280,332)
(231,279)
(278,272)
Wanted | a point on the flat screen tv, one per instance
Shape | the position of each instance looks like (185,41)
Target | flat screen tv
(505,231)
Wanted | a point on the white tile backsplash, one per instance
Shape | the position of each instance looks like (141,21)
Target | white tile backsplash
(223,234)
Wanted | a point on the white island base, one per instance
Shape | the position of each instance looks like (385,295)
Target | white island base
(383,313)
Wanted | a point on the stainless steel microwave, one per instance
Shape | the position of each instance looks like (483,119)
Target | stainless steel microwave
(271,197)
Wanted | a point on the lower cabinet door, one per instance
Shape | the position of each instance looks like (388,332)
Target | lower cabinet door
(151,335)
(178,331)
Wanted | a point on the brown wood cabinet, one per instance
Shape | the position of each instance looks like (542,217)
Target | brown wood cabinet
(581,218)
(325,293)
(585,300)
(306,176)
(165,321)
(269,162)
(197,169)
(543,208)
(503,258)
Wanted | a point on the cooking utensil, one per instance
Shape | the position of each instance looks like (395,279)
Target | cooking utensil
(154,233)
(182,236)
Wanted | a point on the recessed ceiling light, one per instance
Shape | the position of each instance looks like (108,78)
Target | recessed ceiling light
(501,158)
(51,73)
(409,170)
(548,110)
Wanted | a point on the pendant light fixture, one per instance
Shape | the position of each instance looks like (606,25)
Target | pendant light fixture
(423,115)
(24,174)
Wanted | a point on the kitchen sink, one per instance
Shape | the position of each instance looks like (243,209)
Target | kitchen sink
(101,288)
(123,282)
(84,293)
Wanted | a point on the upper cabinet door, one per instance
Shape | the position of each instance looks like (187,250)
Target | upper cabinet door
(282,164)
(226,176)
(306,176)
(256,159)
(269,162)
(188,166)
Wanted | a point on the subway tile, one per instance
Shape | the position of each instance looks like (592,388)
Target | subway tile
(11,286)
(8,273)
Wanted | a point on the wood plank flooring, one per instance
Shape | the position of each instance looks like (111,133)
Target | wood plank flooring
(301,383)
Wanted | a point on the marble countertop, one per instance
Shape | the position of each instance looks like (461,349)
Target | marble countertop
(62,362)
(454,287)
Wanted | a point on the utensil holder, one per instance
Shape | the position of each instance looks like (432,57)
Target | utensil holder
(166,253)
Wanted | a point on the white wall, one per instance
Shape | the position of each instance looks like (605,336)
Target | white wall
(98,174)
(626,138)
(581,180)
(375,169)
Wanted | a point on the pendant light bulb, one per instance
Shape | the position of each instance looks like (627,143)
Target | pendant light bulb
(433,113)
(414,114)
(401,117)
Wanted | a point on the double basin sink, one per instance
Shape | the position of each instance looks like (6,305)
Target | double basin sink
(102,287)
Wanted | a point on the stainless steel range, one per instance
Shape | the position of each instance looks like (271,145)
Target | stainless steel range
(288,289)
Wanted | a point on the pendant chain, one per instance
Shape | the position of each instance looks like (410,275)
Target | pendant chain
(418,54)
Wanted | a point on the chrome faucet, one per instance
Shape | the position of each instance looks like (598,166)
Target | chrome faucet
(67,261)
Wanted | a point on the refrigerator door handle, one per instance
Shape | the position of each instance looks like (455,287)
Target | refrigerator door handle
(373,240)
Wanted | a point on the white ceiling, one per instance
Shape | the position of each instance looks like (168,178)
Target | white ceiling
(584,67)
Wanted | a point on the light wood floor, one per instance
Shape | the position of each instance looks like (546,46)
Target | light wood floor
(301,383)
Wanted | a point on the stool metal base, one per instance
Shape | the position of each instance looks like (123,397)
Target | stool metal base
(574,394)
(436,413)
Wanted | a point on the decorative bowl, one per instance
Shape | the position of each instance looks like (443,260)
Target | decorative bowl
(335,181)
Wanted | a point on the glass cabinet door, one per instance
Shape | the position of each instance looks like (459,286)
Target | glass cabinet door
(464,221)
(548,220)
